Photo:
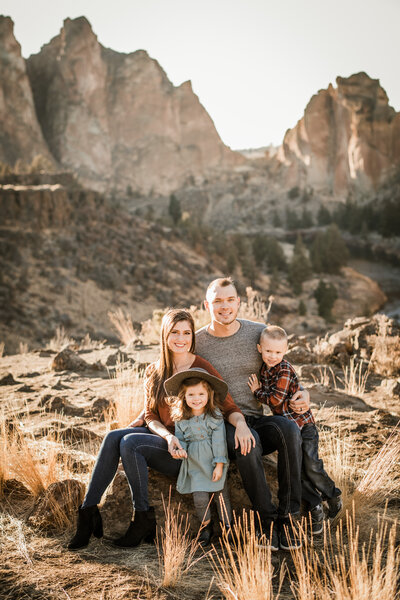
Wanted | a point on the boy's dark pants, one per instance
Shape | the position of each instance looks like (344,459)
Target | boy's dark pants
(316,485)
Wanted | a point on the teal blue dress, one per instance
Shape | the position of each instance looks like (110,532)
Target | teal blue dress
(203,438)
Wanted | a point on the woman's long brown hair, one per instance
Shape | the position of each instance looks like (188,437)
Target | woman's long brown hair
(162,369)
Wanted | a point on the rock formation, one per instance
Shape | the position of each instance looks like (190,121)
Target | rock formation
(116,120)
(20,133)
(348,135)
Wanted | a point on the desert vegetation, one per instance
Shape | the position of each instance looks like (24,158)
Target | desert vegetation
(52,423)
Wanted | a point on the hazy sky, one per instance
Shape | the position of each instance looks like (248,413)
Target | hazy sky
(253,63)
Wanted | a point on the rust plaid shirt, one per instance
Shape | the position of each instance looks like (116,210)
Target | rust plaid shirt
(278,386)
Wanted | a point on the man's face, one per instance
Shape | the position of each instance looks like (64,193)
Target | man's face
(223,304)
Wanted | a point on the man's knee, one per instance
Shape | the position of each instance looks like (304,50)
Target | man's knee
(235,453)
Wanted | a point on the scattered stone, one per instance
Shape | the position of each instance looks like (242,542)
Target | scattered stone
(60,386)
(56,507)
(67,360)
(98,407)
(117,357)
(59,404)
(26,388)
(45,353)
(391,387)
(8,380)
(33,374)
(325,397)
(75,435)
(299,355)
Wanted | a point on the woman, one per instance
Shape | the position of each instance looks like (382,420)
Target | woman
(152,446)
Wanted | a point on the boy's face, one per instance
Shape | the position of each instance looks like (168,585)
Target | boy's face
(272,351)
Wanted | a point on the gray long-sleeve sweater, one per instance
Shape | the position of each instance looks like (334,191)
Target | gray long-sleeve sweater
(235,357)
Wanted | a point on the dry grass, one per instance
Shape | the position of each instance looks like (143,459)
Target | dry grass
(2,346)
(122,323)
(326,376)
(380,482)
(60,340)
(128,400)
(385,357)
(23,348)
(346,568)
(355,377)
(243,570)
(176,549)
(254,307)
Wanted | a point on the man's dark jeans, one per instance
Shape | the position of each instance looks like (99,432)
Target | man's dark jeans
(271,433)
(315,481)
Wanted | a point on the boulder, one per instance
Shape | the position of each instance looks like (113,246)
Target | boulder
(117,509)
(67,360)
(299,355)
(57,505)
(14,490)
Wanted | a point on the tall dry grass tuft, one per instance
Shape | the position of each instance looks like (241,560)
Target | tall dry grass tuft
(385,357)
(60,340)
(380,482)
(345,568)
(176,550)
(2,346)
(254,307)
(244,570)
(128,400)
(355,377)
(123,325)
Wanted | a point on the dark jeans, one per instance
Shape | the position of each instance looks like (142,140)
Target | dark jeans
(271,433)
(316,484)
(138,449)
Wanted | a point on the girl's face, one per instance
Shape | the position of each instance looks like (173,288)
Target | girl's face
(180,338)
(196,397)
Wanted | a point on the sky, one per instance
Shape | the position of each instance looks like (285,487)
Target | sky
(253,63)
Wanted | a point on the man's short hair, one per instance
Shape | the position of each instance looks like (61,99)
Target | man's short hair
(221,282)
(274,333)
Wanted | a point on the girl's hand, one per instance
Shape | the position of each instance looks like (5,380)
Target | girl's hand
(174,447)
(217,473)
(253,383)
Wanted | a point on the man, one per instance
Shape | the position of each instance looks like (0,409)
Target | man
(230,345)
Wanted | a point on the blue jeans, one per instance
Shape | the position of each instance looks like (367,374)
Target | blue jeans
(271,433)
(315,481)
(138,449)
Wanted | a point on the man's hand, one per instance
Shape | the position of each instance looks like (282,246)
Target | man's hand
(253,383)
(174,447)
(300,403)
(217,473)
(244,438)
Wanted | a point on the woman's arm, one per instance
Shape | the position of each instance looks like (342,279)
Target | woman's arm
(139,421)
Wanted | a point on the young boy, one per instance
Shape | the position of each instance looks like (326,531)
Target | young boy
(278,384)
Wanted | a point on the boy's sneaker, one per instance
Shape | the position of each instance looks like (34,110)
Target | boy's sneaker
(268,538)
(289,538)
(316,516)
(335,505)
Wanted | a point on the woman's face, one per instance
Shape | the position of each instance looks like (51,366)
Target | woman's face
(180,338)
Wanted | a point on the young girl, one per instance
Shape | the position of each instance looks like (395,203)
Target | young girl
(195,396)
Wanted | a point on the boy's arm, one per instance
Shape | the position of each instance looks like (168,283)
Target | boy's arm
(277,396)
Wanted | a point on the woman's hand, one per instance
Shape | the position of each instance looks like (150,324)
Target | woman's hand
(139,421)
(174,447)
(300,403)
(217,473)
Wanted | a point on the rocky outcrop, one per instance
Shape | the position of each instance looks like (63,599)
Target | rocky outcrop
(348,136)
(20,133)
(116,120)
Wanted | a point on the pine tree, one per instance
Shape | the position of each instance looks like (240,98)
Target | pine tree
(299,266)
(329,252)
(324,216)
(302,308)
(325,296)
(174,209)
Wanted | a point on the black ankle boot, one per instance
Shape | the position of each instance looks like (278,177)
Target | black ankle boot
(206,535)
(143,528)
(89,522)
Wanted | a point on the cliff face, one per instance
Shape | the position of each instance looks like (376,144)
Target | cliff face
(348,135)
(116,120)
(20,133)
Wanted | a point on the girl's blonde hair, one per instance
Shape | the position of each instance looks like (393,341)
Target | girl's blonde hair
(181,411)
(161,370)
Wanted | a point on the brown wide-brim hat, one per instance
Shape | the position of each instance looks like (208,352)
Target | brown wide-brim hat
(173,384)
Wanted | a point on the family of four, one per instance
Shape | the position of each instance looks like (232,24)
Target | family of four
(192,426)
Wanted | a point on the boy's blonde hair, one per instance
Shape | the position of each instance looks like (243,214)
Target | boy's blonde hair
(181,411)
(273,332)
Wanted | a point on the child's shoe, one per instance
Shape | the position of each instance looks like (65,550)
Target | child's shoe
(335,505)
(289,538)
(205,536)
